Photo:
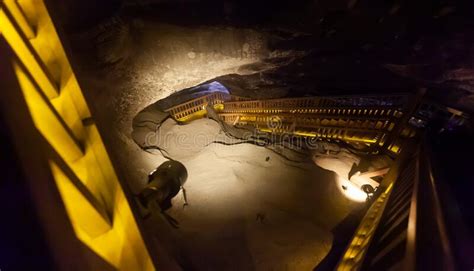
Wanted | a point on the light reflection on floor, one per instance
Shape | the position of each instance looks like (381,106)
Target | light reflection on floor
(351,190)
(229,186)
(226,189)
(341,165)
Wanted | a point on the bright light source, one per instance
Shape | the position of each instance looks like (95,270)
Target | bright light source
(351,190)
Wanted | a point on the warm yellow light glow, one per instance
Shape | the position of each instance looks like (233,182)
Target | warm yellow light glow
(305,134)
(352,191)
(111,242)
(194,116)
(358,139)
(219,107)
(14,38)
(90,189)
(20,19)
(200,114)
(356,250)
(395,148)
(46,121)
(84,215)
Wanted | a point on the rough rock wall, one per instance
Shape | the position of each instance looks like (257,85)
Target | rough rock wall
(143,61)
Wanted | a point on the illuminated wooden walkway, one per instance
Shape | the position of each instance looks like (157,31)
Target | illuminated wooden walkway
(365,121)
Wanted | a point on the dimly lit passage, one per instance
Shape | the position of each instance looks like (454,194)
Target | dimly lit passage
(236,135)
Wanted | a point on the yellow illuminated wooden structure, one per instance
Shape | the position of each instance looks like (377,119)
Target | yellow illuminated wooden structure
(338,118)
(396,186)
(94,200)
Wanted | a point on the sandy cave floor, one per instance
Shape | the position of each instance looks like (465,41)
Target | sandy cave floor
(147,60)
(228,186)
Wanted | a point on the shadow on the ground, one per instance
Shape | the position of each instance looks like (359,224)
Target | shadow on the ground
(342,233)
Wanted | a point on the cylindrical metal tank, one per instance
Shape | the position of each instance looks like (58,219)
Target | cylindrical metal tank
(164,183)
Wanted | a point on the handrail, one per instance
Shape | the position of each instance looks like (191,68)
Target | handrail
(427,204)
(74,166)
(409,230)
(27,54)
(305,113)
(375,96)
(22,21)
(366,234)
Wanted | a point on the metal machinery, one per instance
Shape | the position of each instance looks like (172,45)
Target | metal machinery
(163,184)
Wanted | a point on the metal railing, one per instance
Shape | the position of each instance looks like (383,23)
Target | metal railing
(368,120)
(49,116)
(183,110)
(405,227)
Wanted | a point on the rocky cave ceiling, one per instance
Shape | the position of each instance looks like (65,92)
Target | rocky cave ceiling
(287,48)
